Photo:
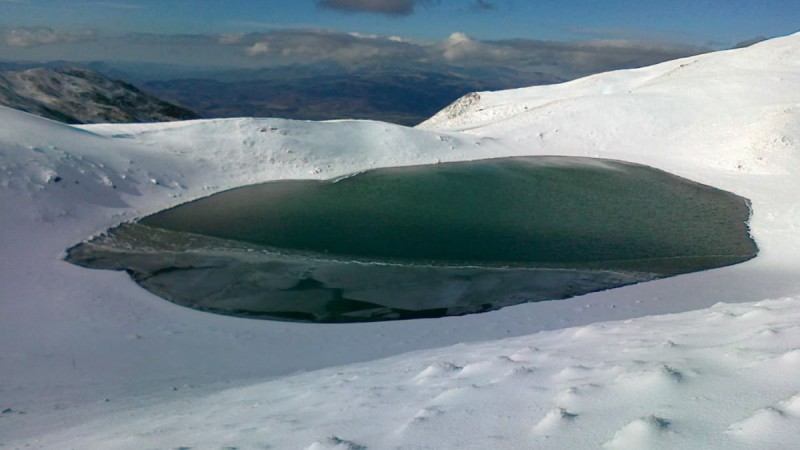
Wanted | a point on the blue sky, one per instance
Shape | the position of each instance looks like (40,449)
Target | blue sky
(273,32)
(699,22)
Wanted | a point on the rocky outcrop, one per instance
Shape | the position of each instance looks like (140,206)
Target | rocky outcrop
(75,95)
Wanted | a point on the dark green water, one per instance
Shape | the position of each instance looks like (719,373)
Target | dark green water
(428,241)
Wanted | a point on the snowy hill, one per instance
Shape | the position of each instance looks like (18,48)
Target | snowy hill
(75,95)
(90,360)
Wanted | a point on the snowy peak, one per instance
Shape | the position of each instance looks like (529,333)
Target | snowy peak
(75,95)
(743,97)
(745,65)
(453,111)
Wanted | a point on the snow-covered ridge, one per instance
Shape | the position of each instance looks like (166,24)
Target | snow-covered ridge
(76,95)
(74,338)
(740,98)
(775,58)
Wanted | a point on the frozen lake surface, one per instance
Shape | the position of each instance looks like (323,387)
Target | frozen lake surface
(428,241)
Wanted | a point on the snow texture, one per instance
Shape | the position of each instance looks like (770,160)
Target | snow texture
(704,360)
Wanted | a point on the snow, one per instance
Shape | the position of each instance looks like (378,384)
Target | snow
(713,378)
(90,360)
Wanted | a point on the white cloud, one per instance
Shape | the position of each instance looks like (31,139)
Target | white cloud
(310,46)
(34,37)
(231,38)
(459,47)
(259,48)
(356,34)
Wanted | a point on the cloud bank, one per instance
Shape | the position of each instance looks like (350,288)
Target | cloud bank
(564,59)
(33,37)
(350,50)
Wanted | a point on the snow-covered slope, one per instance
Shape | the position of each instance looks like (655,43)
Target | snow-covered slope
(74,95)
(94,361)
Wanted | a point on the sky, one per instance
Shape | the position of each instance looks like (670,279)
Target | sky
(253,33)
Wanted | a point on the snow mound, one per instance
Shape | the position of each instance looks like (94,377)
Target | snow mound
(554,421)
(770,427)
(651,432)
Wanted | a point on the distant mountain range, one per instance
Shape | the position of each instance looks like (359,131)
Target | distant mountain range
(87,92)
(398,95)
(77,95)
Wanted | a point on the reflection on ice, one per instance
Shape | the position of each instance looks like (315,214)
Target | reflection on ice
(227,277)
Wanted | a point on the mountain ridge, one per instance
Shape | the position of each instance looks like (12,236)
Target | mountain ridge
(78,96)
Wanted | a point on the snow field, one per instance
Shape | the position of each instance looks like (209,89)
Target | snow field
(723,377)
(611,372)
